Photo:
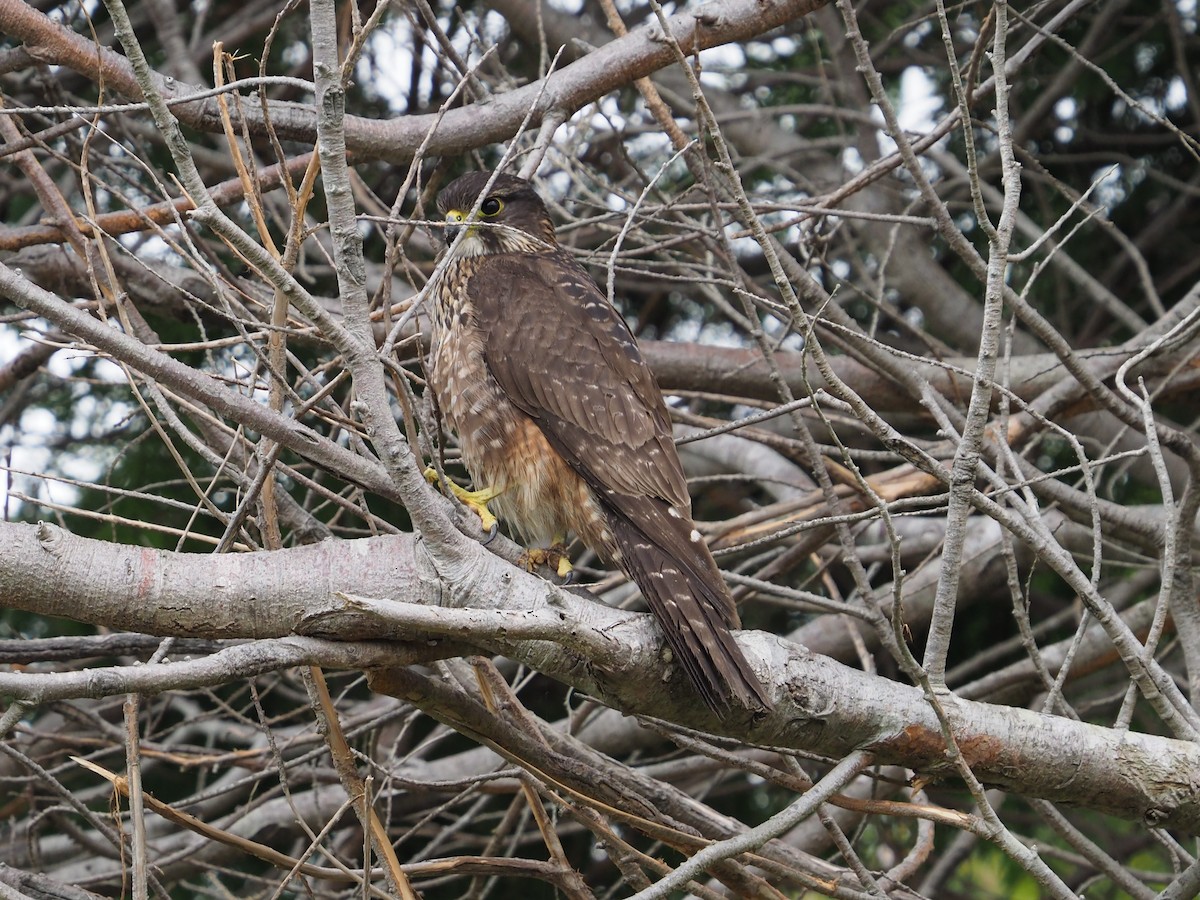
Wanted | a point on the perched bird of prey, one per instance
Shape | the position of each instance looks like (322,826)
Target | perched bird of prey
(562,425)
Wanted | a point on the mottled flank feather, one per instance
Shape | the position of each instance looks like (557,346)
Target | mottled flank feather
(553,404)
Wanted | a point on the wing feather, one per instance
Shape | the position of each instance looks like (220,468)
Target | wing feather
(565,358)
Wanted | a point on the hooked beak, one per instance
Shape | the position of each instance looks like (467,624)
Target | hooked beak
(455,220)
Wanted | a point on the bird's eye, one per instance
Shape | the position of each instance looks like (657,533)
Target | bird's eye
(491,206)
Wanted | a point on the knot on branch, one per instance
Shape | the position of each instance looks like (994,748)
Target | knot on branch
(51,537)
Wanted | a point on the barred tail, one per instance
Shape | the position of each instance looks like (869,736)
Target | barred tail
(679,579)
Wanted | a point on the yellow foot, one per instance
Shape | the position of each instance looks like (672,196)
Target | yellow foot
(554,557)
(476,501)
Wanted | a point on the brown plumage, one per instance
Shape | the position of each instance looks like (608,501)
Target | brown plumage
(555,408)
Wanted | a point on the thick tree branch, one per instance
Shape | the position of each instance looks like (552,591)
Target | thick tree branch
(823,706)
(614,65)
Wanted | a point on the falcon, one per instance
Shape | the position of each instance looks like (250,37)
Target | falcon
(563,428)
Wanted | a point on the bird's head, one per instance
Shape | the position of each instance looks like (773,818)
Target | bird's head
(511,217)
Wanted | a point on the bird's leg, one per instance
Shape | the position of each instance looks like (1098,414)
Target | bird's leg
(554,557)
(476,501)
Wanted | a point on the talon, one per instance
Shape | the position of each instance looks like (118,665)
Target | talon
(553,557)
(476,501)
(487,521)
(531,558)
(558,554)
(492,532)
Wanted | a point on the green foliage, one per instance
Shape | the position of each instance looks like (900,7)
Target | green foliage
(990,875)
